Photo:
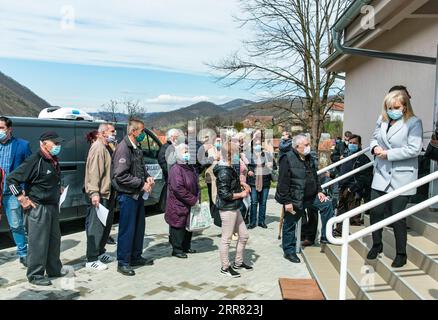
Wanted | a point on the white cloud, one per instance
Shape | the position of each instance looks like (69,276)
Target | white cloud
(167,34)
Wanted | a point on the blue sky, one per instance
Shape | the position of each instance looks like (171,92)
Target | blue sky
(85,53)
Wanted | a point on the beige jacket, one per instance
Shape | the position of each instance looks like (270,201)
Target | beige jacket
(97,171)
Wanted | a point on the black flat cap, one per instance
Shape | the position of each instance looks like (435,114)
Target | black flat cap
(52,136)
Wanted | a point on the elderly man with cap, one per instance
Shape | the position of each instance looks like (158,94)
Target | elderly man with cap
(41,175)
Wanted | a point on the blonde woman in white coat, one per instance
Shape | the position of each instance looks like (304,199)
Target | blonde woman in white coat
(397,142)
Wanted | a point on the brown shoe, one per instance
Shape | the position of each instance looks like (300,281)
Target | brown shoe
(307,243)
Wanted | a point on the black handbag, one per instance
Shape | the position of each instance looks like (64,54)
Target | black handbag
(216,216)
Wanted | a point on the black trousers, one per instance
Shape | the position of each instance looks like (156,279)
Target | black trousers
(97,233)
(386,210)
(310,228)
(44,242)
(180,239)
(210,196)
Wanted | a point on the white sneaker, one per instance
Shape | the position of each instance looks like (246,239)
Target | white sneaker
(106,258)
(96,265)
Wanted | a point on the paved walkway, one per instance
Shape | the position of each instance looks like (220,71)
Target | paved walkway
(197,277)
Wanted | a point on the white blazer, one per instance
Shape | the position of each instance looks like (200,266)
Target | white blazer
(404,142)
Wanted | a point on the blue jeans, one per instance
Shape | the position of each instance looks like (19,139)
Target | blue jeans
(259,198)
(289,240)
(14,214)
(131,229)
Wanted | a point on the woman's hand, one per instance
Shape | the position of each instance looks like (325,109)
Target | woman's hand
(378,150)
(250,173)
(322,197)
(383,155)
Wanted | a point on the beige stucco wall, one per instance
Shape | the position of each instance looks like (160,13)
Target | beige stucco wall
(368,80)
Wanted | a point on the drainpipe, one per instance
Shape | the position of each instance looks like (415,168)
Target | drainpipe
(349,16)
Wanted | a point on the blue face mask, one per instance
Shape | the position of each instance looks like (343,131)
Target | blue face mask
(235,159)
(2,135)
(111,139)
(395,114)
(141,137)
(218,146)
(186,157)
(353,147)
(258,148)
(55,150)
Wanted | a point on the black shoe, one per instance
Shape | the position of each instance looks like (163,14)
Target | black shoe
(111,241)
(230,272)
(23,261)
(141,262)
(292,257)
(399,261)
(190,251)
(307,243)
(126,270)
(242,266)
(251,226)
(180,255)
(41,282)
(374,252)
(262,225)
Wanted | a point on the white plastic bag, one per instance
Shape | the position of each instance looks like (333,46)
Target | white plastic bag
(199,218)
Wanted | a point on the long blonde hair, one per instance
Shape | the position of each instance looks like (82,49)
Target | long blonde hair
(401,97)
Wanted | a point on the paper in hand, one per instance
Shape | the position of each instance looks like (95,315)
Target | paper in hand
(102,214)
(63,197)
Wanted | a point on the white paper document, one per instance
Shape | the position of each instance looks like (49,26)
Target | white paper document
(63,197)
(102,214)
(247,201)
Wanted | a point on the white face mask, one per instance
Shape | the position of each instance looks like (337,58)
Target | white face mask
(306,150)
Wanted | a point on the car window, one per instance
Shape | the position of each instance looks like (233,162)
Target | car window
(150,147)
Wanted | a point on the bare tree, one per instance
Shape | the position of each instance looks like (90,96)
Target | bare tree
(112,108)
(292,39)
(134,109)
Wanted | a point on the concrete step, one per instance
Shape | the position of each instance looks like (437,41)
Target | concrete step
(422,252)
(363,281)
(410,281)
(425,223)
(323,271)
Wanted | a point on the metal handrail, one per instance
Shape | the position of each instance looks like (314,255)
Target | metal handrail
(348,174)
(336,164)
(345,219)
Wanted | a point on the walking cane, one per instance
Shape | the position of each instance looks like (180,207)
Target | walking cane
(280,227)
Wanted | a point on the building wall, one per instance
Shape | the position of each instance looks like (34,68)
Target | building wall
(368,80)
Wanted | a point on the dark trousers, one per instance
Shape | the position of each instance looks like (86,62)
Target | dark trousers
(180,239)
(348,201)
(310,228)
(44,242)
(258,198)
(210,196)
(97,233)
(289,240)
(386,210)
(131,229)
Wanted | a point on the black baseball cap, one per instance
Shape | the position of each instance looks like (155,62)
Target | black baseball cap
(52,136)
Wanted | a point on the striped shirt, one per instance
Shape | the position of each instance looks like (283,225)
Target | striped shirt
(6,161)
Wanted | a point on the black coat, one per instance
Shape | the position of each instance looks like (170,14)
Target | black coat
(162,159)
(267,178)
(340,150)
(128,169)
(361,182)
(42,180)
(292,179)
(227,183)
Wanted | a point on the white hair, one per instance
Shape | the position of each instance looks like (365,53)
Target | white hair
(172,132)
(298,139)
(180,150)
(104,126)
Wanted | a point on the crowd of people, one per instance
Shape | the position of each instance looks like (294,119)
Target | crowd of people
(238,184)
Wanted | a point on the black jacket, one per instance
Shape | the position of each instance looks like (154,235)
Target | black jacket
(128,169)
(227,183)
(340,150)
(292,179)
(361,182)
(42,180)
(267,177)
